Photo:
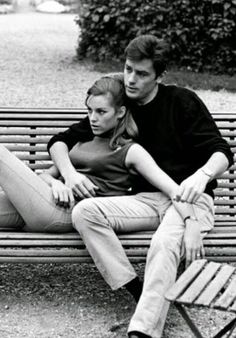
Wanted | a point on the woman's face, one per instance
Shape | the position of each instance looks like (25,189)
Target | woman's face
(103,116)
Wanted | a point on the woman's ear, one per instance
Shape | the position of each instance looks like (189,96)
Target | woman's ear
(121,112)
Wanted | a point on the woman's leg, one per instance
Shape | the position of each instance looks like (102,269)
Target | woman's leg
(99,219)
(31,196)
(9,216)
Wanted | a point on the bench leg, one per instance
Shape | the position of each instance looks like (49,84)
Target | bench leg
(228,328)
(189,321)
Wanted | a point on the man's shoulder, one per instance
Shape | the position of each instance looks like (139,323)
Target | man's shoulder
(177,90)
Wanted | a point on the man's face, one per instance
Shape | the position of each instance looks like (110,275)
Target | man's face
(140,80)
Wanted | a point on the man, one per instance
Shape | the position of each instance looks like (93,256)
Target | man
(179,132)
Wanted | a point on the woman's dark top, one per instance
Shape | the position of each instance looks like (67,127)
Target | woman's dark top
(176,128)
(105,167)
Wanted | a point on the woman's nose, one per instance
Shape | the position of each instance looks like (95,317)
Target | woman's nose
(93,116)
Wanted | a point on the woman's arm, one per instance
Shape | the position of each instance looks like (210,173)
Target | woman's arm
(63,196)
(50,175)
(139,160)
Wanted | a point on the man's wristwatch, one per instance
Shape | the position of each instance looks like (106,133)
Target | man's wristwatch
(193,218)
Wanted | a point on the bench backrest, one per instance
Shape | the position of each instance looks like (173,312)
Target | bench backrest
(26,132)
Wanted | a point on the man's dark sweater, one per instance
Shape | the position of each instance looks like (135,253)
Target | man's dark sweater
(175,128)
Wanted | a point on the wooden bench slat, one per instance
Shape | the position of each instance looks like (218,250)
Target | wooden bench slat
(226,185)
(215,286)
(63,242)
(36,157)
(48,252)
(225,202)
(225,219)
(185,279)
(214,250)
(24,139)
(46,260)
(27,131)
(33,110)
(220,242)
(46,116)
(228,176)
(36,123)
(224,192)
(221,235)
(226,124)
(145,235)
(225,211)
(28,148)
(199,283)
(228,296)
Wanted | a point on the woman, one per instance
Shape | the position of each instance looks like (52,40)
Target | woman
(110,161)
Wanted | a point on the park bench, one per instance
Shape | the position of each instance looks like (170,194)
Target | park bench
(26,133)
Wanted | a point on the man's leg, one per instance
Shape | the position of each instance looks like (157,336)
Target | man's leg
(30,196)
(99,219)
(161,268)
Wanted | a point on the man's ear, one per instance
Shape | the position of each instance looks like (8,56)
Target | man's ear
(160,77)
(121,113)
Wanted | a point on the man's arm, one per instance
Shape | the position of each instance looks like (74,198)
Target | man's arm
(193,186)
(59,147)
(77,132)
(211,150)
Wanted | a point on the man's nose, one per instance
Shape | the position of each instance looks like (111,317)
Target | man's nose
(132,78)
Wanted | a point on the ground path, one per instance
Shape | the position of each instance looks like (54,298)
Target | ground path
(39,68)
(38,61)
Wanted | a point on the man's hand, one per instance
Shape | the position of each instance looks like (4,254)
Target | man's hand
(192,242)
(63,195)
(80,185)
(192,187)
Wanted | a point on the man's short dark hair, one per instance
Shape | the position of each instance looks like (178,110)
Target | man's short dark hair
(148,47)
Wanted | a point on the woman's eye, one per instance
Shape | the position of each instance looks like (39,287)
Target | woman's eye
(101,112)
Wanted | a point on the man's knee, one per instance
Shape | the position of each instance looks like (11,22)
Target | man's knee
(3,151)
(85,213)
(165,242)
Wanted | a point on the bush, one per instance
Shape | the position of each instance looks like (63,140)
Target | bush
(201,33)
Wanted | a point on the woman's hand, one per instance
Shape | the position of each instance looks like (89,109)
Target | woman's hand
(62,195)
(81,186)
(192,242)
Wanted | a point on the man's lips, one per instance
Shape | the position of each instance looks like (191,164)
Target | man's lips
(131,89)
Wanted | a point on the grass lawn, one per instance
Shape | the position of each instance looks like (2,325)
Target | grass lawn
(184,78)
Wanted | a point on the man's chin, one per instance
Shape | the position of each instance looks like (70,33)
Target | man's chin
(132,95)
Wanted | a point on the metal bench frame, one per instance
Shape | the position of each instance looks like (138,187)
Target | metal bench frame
(26,133)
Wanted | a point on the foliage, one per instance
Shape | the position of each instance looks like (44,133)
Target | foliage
(6,2)
(201,33)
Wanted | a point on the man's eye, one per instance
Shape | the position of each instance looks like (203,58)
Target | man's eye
(128,69)
(142,74)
